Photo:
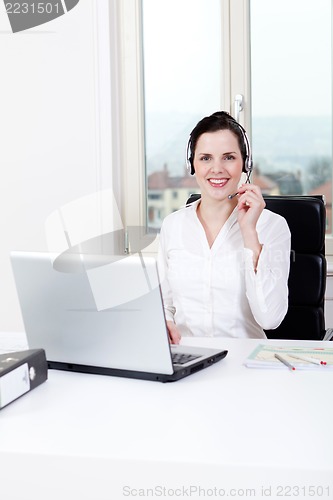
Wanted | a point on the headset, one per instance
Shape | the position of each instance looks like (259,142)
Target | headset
(248,162)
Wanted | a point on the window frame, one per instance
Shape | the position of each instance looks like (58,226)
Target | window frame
(128,94)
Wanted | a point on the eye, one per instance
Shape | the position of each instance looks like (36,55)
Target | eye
(229,157)
(205,158)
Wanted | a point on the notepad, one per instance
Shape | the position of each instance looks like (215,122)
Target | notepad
(263,356)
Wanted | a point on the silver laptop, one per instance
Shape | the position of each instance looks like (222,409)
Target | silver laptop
(101,314)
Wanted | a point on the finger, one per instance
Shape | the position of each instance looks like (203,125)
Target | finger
(175,338)
(250,197)
(174,335)
(250,188)
(246,200)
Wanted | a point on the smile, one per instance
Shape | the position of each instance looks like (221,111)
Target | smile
(217,182)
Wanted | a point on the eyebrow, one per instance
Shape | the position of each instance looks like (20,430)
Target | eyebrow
(226,153)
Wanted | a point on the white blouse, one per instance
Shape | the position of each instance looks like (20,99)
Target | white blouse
(215,291)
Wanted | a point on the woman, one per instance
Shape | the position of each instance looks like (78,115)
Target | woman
(224,260)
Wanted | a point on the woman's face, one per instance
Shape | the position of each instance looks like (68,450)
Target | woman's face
(218,164)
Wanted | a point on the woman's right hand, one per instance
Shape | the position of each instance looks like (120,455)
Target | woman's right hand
(174,335)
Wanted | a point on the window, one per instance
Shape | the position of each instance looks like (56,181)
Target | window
(182,68)
(291,97)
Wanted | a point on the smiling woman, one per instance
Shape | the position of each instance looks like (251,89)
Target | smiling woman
(218,256)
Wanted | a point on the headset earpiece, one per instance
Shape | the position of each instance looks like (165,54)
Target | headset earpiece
(189,158)
(192,171)
(248,162)
(248,165)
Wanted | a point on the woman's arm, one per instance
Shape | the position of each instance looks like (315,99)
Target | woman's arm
(267,285)
(250,206)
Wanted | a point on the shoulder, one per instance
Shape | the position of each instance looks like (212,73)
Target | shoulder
(177,217)
(269,216)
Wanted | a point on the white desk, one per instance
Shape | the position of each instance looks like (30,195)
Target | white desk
(229,430)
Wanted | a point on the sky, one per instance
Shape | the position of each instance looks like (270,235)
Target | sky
(291,57)
(181,54)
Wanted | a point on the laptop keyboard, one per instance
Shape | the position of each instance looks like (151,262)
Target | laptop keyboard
(182,358)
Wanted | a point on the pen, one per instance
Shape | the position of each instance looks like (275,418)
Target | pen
(284,361)
(231,196)
(308,359)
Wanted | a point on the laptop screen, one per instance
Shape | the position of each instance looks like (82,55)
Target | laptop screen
(97,313)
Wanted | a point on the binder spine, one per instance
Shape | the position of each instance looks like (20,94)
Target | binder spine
(20,372)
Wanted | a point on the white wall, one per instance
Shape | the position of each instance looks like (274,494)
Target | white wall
(55,144)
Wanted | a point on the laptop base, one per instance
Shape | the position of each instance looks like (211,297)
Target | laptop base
(180,371)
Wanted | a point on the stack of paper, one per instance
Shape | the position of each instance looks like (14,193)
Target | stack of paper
(304,358)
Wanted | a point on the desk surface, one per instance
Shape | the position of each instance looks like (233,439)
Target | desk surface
(235,426)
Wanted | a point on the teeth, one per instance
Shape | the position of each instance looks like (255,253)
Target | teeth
(217,181)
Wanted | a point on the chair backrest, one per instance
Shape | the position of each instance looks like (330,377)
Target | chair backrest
(306,218)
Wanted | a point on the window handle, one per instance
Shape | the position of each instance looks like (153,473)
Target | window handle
(238,106)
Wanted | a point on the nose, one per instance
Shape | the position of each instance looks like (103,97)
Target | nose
(217,165)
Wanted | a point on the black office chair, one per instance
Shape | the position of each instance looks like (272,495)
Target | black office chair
(306,218)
